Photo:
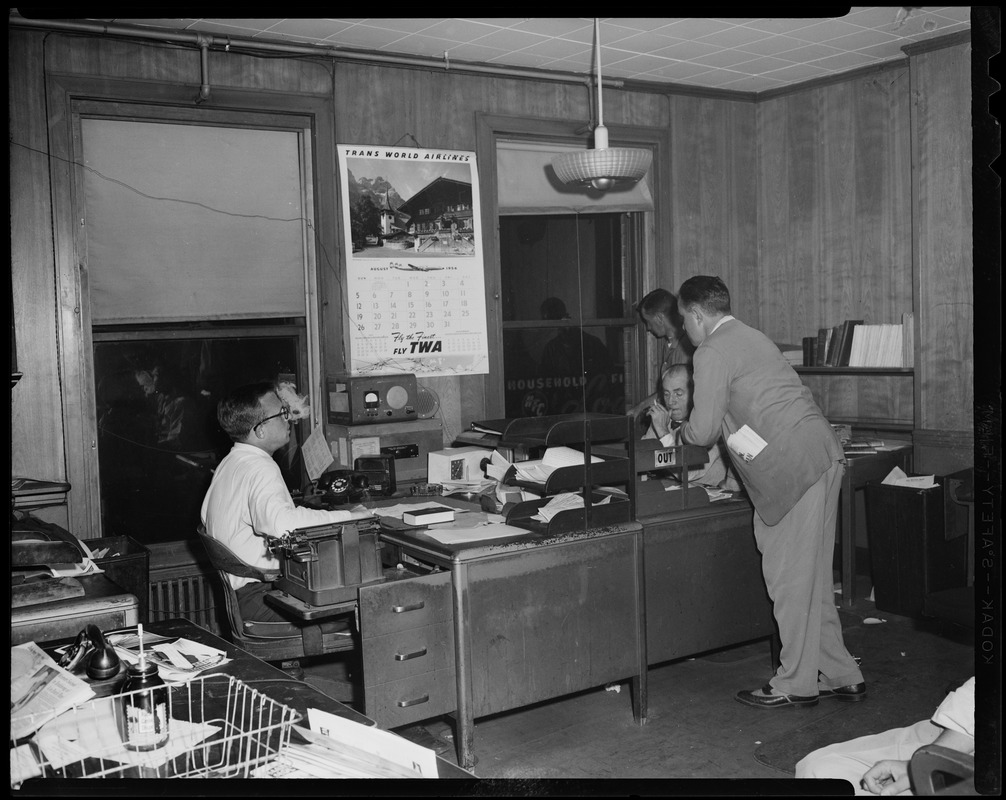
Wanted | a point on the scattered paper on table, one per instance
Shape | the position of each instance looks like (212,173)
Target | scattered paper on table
(897,477)
(90,731)
(486,532)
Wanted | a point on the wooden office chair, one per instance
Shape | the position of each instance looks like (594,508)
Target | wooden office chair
(932,765)
(286,642)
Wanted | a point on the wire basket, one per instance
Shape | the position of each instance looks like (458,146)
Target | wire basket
(219,727)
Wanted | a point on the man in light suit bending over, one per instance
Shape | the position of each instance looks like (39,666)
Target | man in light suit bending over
(791,464)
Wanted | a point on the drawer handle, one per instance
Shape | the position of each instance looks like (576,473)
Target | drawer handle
(418,701)
(414,654)
(412,607)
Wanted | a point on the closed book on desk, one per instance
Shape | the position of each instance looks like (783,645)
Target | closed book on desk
(428,516)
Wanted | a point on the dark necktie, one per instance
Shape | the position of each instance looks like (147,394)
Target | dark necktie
(675,424)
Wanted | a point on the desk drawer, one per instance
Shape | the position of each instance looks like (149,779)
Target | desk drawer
(394,656)
(402,605)
(408,700)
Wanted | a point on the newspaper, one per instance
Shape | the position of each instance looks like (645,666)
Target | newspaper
(40,689)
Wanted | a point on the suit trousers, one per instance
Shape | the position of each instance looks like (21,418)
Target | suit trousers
(797,560)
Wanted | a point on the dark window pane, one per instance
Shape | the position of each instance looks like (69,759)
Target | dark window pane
(566,270)
(158,437)
(576,258)
(563,370)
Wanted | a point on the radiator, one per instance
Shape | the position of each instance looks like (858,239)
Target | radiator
(190,596)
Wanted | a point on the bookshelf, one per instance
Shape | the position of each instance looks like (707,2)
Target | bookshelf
(876,398)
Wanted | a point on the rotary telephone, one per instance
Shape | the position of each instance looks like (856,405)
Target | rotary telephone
(341,486)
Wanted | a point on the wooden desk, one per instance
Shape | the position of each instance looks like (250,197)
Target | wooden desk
(704,584)
(531,619)
(859,470)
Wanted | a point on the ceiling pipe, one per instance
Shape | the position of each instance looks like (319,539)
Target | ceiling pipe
(204,68)
(168,35)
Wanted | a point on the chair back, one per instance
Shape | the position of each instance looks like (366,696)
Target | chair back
(267,639)
(932,765)
(226,563)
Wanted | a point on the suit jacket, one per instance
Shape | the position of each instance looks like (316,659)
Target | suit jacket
(741,378)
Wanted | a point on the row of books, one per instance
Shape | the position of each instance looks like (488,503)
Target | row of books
(856,344)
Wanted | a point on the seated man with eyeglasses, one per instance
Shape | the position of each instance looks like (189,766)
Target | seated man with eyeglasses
(248,498)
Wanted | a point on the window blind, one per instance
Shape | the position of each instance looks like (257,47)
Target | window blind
(192,222)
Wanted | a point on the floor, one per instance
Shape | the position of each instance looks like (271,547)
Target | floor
(695,727)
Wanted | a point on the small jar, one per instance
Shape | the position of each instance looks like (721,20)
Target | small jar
(143,713)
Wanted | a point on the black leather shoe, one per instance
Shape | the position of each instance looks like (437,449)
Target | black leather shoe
(763,698)
(850,694)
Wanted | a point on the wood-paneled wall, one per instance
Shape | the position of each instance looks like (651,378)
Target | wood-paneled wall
(944,262)
(834,198)
(801,202)
(714,202)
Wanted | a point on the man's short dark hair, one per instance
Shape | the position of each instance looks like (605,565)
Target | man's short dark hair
(707,292)
(241,409)
(659,301)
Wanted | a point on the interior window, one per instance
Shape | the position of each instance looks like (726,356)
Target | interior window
(158,437)
(566,333)
(199,254)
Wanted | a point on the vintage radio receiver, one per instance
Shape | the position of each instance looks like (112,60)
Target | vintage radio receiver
(370,399)
(325,564)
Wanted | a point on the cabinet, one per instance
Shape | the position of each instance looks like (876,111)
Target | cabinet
(407,641)
(583,432)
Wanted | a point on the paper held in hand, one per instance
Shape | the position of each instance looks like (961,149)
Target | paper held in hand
(746,443)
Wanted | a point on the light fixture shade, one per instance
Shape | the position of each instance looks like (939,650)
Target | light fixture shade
(613,163)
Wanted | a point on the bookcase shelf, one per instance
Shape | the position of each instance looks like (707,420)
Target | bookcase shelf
(854,370)
(864,397)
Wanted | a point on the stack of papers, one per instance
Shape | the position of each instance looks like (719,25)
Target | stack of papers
(563,502)
(341,748)
(536,471)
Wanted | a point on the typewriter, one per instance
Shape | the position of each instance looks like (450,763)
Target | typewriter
(324,564)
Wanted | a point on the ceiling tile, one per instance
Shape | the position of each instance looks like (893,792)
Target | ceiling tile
(739,53)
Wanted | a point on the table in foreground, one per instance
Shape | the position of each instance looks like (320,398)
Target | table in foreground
(250,670)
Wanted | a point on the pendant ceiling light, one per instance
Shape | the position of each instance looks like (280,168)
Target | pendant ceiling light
(603,166)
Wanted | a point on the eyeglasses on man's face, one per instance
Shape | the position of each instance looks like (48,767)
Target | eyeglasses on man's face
(284,412)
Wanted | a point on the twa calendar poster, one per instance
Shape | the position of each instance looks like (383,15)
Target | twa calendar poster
(415,289)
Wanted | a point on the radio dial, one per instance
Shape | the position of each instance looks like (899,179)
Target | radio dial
(398,396)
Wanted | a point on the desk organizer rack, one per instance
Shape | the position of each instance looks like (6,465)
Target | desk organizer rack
(250,729)
(586,431)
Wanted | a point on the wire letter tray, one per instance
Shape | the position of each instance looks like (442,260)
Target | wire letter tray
(219,728)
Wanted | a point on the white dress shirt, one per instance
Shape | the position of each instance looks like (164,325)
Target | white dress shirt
(248,498)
